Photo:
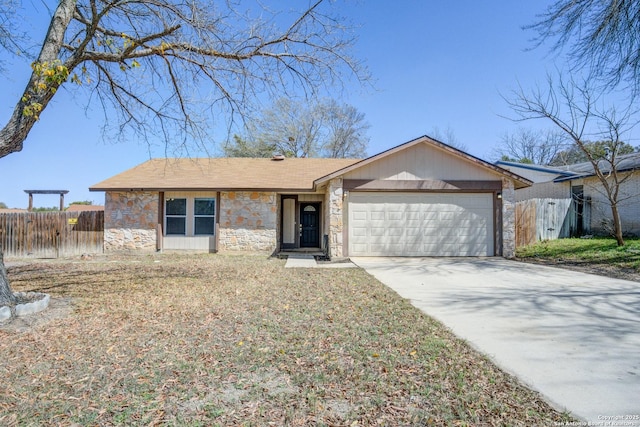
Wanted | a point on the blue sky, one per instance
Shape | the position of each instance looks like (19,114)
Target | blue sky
(435,65)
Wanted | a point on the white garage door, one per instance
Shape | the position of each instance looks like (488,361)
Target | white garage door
(420,224)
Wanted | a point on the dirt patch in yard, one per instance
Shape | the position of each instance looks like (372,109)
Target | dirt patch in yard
(58,308)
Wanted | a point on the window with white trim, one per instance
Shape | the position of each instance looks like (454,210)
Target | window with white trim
(204,211)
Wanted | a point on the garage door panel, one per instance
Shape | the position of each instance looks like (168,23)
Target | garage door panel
(436,248)
(377,216)
(413,224)
(472,233)
(412,208)
(420,224)
(360,215)
(360,231)
(377,231)
(381,249)
(413,249)
(395,216)
(359,247)
(393,232)
(471,227)
(415,232)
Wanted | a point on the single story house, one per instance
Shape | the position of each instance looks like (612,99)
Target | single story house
(84,208)
(421,198)
(577,197)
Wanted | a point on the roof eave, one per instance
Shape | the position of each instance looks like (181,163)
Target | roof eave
(591,174)
(165,189)
(536,168)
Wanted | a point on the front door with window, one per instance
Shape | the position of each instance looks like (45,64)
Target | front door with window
(309,225)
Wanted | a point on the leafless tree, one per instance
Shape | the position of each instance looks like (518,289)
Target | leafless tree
(8,31)
(603,36)
(448,136)
(576,109)
(527,145)
(345,129)
(166,69)
(301,129)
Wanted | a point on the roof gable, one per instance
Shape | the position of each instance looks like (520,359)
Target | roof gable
(425,158)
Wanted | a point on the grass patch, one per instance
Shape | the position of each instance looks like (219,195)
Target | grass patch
(239,340)
(599,254)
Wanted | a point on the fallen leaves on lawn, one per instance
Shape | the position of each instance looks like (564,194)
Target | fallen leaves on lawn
(239,340)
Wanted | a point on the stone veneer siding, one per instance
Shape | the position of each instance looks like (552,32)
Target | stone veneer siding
(248,221)
(508,219)
(130,220)
(334,203)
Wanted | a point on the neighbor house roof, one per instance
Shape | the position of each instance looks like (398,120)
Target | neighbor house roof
(83,208)
(226,174)
(13,210)
(627,162)
(538,168)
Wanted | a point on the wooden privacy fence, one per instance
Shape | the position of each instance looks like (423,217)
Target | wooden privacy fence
(542,219)
(51,234)
(525,223)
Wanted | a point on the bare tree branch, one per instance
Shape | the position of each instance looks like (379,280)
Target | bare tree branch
(531,146)
(601,36)
(167,53)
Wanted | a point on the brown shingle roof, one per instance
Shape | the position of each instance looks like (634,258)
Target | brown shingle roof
(223,174)
(84,208)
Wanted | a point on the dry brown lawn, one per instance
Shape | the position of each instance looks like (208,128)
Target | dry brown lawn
(239,340)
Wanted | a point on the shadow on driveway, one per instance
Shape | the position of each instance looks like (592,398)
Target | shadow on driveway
(572,336)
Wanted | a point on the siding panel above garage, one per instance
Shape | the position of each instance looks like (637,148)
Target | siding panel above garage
(422,162)
(421,224)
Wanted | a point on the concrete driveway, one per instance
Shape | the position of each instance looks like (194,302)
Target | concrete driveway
(573,337)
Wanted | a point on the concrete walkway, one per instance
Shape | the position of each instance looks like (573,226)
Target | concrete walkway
(573,337)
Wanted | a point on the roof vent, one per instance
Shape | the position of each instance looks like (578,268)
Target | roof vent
(277,157)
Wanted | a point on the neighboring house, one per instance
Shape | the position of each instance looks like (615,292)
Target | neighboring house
(421,198)
(12,210)
(84,208)
(572,201)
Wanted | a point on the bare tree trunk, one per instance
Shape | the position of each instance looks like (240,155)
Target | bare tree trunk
(6,294)
(617,224)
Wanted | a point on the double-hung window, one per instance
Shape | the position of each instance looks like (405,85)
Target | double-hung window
(189,216)
(176,217)
(204,216)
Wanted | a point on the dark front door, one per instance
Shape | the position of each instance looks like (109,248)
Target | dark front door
(309,225)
